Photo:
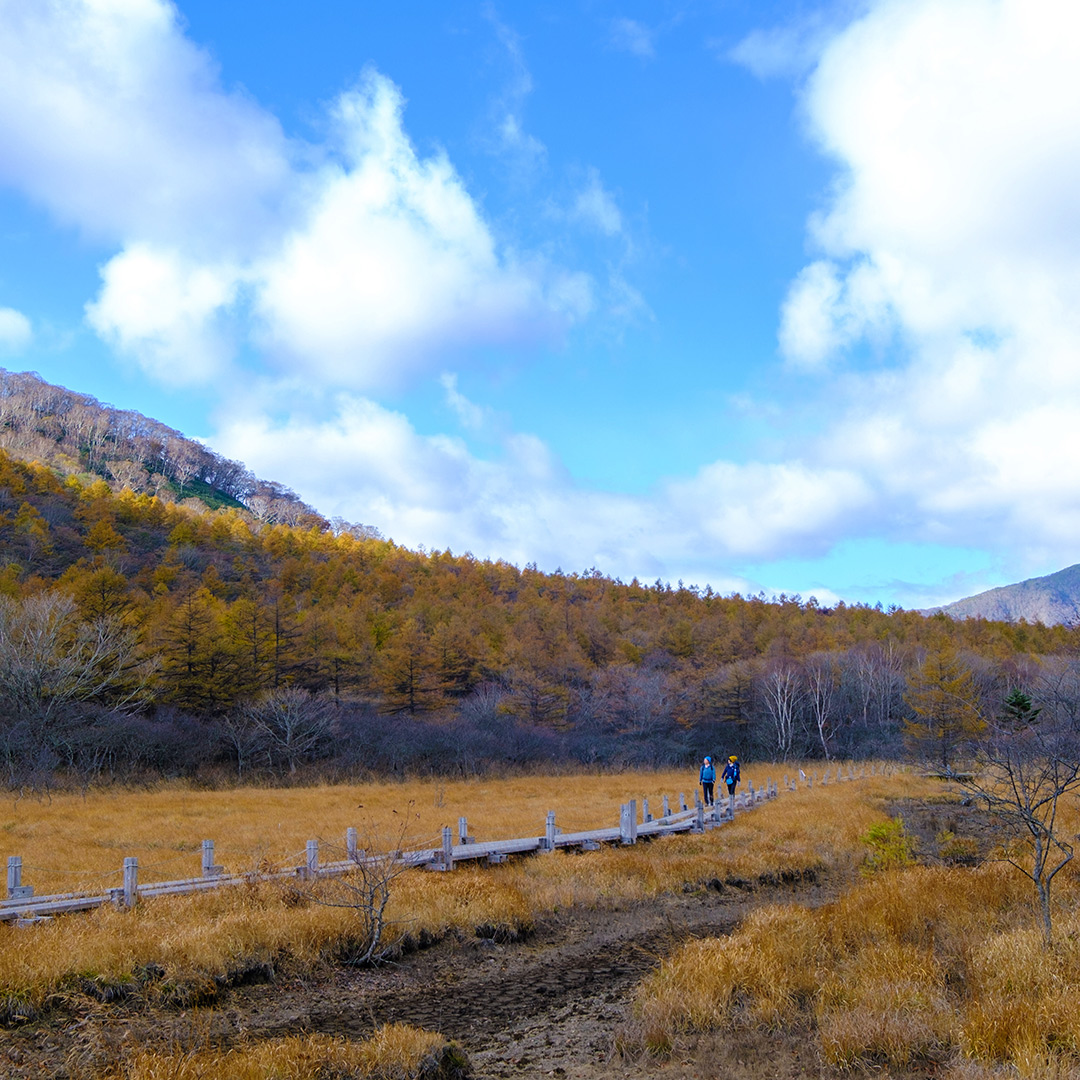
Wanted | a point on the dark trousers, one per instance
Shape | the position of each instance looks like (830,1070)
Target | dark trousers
(706,788)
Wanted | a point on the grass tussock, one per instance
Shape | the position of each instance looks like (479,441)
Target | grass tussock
(394,1052)
(926,963)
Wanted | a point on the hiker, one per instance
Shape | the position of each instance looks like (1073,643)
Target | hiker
(707,779)
(730,774)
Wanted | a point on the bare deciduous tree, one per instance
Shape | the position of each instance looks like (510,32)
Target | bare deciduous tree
(365,890)
(821,682)
(1021,773)
(782,693)
(52,662)
(290,725)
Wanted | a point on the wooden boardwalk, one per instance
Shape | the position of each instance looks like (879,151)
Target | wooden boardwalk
(22,906)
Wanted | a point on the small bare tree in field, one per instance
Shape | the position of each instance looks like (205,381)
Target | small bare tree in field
(365,890)
(1021,772)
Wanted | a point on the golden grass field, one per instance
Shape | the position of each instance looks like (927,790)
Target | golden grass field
(927,961)
(201,937)
(931,963)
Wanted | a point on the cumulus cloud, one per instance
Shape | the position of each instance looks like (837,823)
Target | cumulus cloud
(166,311)
(392,262)
(951,241)
(358,260)
(117,124)
(15,330)
(368,463)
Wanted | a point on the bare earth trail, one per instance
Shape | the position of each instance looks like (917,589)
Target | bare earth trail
(551,1005)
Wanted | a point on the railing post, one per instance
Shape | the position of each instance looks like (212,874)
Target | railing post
(632,815)
(645,815)
(311,861)
(350,845)
(209,868)
(463,830)
(549,831)
(131,881)
(14,874)
(667,807)
(448,848)
(682,801)
(731,806)
(699,820)
(624,823)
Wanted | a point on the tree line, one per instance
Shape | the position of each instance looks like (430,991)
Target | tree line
(143,636)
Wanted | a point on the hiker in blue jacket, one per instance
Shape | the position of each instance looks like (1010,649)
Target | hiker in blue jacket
(707,779)
(730,775)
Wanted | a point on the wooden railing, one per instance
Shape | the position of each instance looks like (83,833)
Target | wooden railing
(22,906)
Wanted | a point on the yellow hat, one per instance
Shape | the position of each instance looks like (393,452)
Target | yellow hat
(733,758)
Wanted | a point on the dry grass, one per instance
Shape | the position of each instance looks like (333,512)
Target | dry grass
(183,949)
(394,1052)
(71,843)
(924,963)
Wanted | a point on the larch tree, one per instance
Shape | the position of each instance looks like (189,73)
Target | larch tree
(945,702)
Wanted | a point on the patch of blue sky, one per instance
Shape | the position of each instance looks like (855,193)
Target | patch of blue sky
(872,570)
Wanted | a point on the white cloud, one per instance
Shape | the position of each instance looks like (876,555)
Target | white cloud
(118,125)
(391,263)
(471,416)
(15,330)
(633,37)
(595,207)
(369,464)
(527,153)
(166,310)
(358,261)
(794,48)
(952,244)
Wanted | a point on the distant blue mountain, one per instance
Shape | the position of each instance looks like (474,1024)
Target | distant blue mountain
(1050,600)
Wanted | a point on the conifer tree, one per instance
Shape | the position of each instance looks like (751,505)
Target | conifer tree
(943,696)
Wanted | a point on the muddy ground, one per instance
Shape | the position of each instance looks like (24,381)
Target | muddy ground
(552,1005)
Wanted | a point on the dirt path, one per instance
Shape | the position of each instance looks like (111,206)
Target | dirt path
(548,1006)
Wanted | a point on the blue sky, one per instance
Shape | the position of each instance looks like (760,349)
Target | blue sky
(766,296)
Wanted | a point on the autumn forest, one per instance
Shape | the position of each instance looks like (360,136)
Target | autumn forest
(164,613)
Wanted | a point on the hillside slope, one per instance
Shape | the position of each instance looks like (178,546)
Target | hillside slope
(1053,600)
(77,435)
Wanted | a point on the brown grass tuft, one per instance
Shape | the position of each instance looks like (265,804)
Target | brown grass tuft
(394,1052)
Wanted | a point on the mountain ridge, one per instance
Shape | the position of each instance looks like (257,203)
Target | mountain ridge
(1053,599)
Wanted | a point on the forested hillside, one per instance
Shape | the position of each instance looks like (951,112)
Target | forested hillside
(77,434)
(139,635)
